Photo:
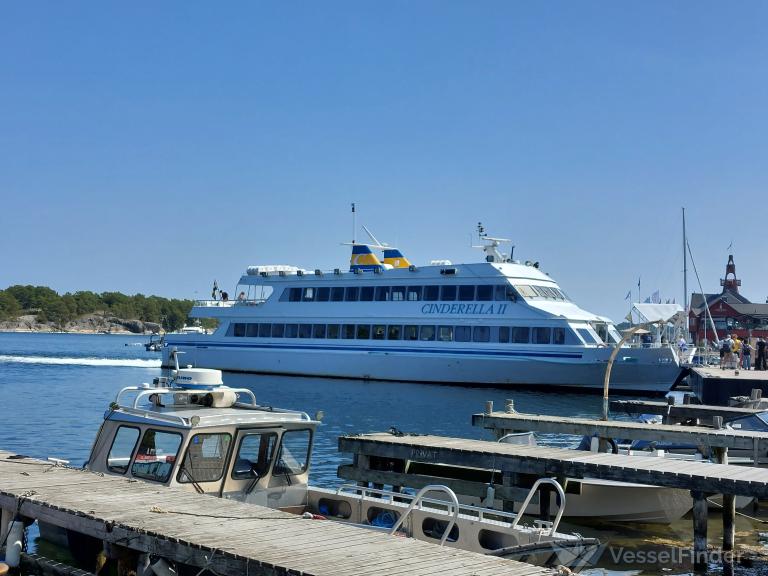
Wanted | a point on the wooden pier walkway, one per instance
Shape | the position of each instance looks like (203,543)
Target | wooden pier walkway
(231,538)
(673,413)
(715,386)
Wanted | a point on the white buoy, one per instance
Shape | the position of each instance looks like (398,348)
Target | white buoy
(14,544)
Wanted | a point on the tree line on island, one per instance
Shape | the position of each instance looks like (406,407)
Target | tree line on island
(50,307)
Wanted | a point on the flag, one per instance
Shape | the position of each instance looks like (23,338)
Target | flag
(628,317)
(655,298)
(730,246)
(353,207)
(215,290)
(628,296)
(647,300)
(638,282)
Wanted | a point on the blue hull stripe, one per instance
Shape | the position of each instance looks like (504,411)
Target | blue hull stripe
(376,349)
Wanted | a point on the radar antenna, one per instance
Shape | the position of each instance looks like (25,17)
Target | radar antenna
(489,245)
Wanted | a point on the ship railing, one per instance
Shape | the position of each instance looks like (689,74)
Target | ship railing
(229,303)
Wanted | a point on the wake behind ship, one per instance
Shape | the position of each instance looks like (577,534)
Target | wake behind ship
(492,323)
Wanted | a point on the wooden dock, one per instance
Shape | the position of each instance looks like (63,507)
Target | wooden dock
(675,413)
(715,386)
(230,538)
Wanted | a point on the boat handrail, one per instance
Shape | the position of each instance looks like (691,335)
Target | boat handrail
(145,392)
(532,491)
(417,500)
(303,415)
(174,418)
(229,303)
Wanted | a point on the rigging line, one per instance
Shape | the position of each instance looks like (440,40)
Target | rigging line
(703,295)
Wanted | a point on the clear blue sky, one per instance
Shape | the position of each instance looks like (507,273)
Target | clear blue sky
(154,146)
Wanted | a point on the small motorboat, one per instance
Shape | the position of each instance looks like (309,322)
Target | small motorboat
(155,343)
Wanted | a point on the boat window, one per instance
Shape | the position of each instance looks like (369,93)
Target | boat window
(466,293)
(520,335)
(205,458)
(238,329)
(504,334)
(265,330)
(431,293)
(294,452)
(413,293)
(398,293)
(448,293)
(305,330)
(410,332)
(526,291)
(349,331)
(251,330)
(366,294)
(291,330)
(156,455)
(286,295)
(541,335)
(363,331)
(295,295)
(558,335)
(318,331)
(485,292)
(122,448)
(462,333)
(255,455)
(351,294)
(379,331)
(333,331)
(337,294)
(445,333)
(427,333)
(278,330)
(394,332)
(323,294)
(481,334)
(586,335)
(382,293)
(308,295)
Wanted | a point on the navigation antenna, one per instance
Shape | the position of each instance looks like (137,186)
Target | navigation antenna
(354,228)
(489,245)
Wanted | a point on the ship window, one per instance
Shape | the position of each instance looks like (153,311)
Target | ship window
(318,331)
(382,293)
(558,335)
(278,330)
(427,333)
(286,295)
(305,330)
(394,332)
(481,334)
(156,455)
(308,295)
(520,335)
(251,330)
(462,333)
(291,330)
(293,457)
(295,295)
(265,330)
(205,458)
(363,331)
(349,331)
(541,335)
(337,294)
(466,293)
(448,293)
(431,293)
(254,456)
(379,331)
(122,447)
(500,292)
(398,293)
(526,291)
(333,331)
(410,332)
(351,294)
(238,329)
(485,292)
(504,334)
(414,293)
(445,333)
(586,335)
(366,294)
(323,294)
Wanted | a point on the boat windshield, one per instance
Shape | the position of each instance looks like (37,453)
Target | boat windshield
(754,423)
(533,292)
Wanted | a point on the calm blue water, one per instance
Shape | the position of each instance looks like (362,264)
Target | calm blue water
(54,389)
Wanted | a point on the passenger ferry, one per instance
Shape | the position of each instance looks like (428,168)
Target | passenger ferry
(497,322)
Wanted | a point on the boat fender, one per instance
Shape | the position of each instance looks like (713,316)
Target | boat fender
(310,516)
(15,543)
(490,496)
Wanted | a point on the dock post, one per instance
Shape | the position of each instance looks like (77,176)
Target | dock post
(509,406)
(508,480)
(699,530)
(755,394)
(5,522)
(488,407)
(142,565)
(720,455)
(729,521)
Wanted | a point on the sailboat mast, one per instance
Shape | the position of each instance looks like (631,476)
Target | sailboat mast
(685,268)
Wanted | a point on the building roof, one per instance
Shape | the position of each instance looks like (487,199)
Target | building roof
(731,298)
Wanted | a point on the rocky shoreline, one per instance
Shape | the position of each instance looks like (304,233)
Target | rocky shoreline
(86,324)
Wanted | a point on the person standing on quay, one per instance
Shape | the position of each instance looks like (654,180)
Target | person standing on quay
(760,361)
(746,355)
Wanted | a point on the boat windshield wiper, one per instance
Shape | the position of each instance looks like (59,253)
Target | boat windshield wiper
(192,480)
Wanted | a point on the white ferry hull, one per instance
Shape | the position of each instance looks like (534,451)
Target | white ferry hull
(650,370)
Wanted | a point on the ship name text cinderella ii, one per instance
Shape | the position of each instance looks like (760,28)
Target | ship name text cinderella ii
(497,322)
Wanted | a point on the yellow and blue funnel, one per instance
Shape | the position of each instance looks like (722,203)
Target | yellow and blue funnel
(363,258)
(395,258)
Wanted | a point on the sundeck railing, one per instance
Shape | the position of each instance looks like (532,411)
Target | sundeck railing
(229,303)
